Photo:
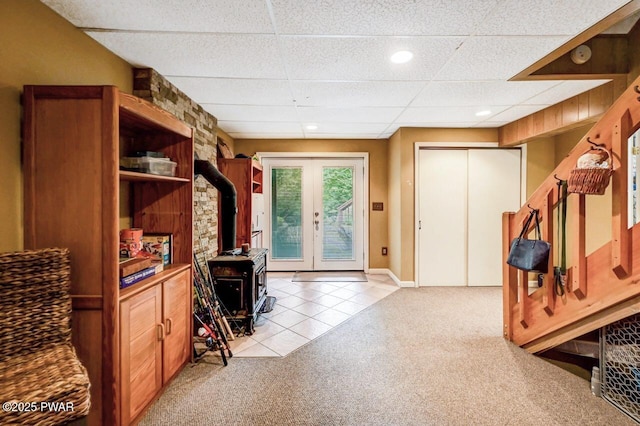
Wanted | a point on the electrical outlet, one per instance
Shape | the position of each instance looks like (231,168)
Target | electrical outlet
(384,251)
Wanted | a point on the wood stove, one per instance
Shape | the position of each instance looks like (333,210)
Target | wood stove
(241,285)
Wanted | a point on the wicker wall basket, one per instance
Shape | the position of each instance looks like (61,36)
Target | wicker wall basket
(591,180)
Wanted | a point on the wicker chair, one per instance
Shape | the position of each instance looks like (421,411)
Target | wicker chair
(38,363)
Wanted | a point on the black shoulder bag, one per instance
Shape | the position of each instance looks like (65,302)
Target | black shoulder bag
(530,255)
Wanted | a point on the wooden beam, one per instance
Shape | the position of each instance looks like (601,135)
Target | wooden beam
(574,112)
(509,275)
(548,295)
(620,243)
(617,16)
(593,322)
(578,273)
(609,59)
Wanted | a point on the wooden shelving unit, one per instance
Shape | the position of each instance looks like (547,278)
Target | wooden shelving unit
(246,176)
(135,340)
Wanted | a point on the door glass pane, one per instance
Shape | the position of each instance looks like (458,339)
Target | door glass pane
(286,213)
(337,213)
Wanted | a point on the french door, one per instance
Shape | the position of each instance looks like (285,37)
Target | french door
(314,211)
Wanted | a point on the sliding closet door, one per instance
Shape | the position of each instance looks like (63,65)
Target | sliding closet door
(443,217)
(462,195)
(494,188)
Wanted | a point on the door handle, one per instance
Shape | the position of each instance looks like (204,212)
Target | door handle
(161,334)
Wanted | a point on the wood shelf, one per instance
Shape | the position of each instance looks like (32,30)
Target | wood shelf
(126,175)
(170,271)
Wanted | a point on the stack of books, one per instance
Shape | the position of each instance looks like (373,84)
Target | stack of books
(133,270)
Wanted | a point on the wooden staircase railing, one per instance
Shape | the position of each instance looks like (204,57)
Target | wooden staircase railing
(602,287)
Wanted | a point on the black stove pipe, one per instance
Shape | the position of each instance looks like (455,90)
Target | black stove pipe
(228,207)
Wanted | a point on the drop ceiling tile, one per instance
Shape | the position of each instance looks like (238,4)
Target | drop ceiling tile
(389,17)
(234,91)
(260,127)
(251,112)
(353,94)
(197,55)
(563,91)
(496,58)
(435,124)
(364,58)
(348,128)
(515,113)
(212,16)
(316,135)
(346,115)
(479,93)
(546,17)
(265,135)
(448,114)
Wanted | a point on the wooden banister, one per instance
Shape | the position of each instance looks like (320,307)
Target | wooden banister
(596,283)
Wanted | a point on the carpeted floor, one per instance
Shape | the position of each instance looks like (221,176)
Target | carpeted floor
(427,356)
(329,276)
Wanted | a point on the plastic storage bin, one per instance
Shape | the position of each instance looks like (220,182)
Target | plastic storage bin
(155,166)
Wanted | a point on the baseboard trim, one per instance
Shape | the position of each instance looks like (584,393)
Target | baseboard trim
(385,271)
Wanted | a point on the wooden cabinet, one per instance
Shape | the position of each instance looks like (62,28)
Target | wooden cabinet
(76,196)
(246,176)
(154,341)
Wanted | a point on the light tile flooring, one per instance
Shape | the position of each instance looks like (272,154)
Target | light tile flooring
(306,310)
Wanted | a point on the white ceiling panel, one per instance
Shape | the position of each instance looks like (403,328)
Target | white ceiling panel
(480,93)
(252,112)
(357,93)
(267,68)
(346,115)
(496,58)
(365,58)
(234,91)
(349,128)
(198,55)
(375,17)
(514,113)
(211,16)
(260,126)
(564,90)
(266,135)
(546,17)
(446,114)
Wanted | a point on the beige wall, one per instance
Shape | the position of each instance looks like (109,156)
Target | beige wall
(378,181)
(39,47)
(402,186)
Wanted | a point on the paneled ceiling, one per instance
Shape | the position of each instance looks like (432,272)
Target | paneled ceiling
(322,69)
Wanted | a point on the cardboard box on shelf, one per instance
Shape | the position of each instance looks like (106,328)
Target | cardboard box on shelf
(159,246)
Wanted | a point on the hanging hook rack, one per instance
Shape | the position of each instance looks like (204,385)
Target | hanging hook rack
(594,145)
(637,89)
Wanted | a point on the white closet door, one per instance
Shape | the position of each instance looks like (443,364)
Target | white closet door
(443,217)
(494,188)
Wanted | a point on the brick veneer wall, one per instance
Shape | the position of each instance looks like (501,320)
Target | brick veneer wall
(148,84)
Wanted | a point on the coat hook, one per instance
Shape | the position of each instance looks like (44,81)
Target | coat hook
(594,144)
(637,89)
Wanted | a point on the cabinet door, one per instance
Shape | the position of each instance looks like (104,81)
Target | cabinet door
(141,351)
(177,320)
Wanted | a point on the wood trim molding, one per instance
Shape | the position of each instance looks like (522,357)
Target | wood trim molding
(577,111)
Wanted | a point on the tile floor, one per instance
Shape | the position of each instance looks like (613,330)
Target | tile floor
(306,310)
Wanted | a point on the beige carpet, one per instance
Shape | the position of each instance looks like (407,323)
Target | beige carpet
(329,276)
(428,356)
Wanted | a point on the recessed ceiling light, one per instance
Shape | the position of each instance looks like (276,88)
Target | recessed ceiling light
(483,113)
(401,57)
(311,127)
